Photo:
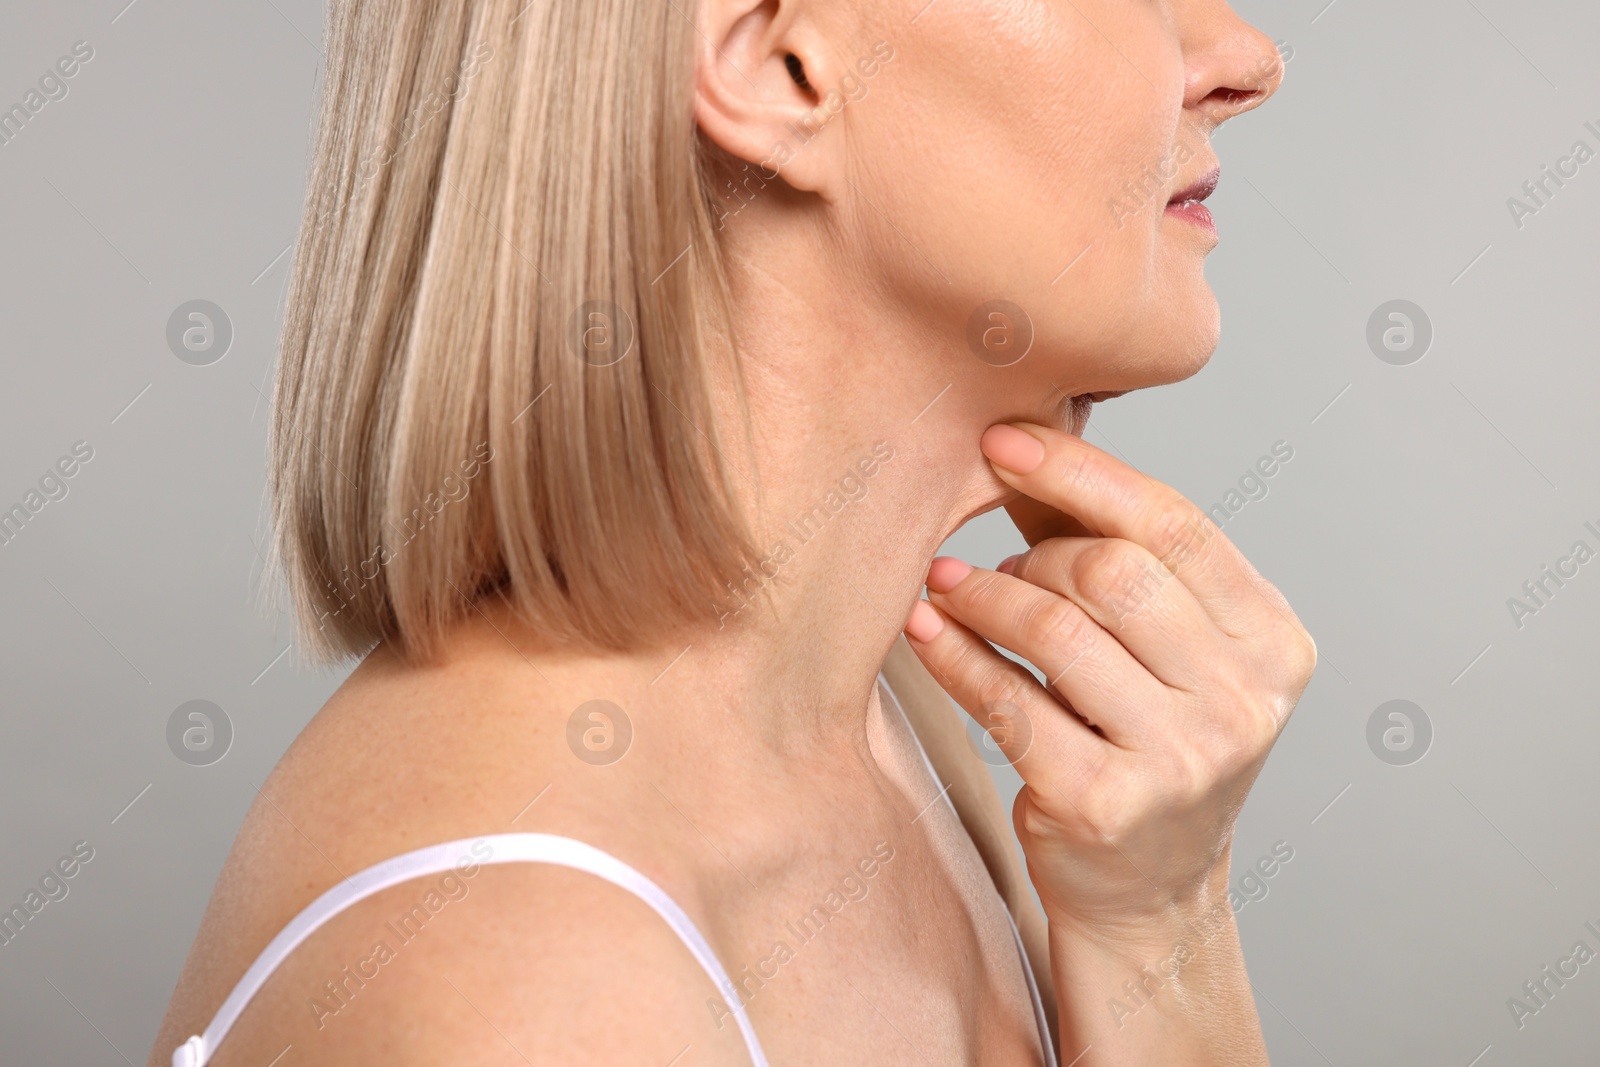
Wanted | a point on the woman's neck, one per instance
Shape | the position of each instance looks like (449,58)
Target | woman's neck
(865,451)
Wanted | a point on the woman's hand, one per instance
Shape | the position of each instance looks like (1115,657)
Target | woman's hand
(1172,667)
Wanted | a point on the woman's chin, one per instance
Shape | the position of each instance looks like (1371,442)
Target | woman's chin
(1194,328)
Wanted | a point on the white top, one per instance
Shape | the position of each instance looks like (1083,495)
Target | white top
(522,848)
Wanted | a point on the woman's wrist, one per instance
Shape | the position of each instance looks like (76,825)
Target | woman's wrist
(1147,925)
(1165,944)
(1168,985)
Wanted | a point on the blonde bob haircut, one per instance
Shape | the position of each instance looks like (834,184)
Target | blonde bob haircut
(494,374)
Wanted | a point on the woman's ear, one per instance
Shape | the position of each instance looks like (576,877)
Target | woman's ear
(762,79)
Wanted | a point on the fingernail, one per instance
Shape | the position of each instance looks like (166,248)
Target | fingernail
(946,572)
(1014,449)
(1005,565)
(925,623)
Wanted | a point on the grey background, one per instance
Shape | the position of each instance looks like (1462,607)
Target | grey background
(1418,500)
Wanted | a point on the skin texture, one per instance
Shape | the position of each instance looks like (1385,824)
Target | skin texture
(1171,667)
(941,728)
(981,163)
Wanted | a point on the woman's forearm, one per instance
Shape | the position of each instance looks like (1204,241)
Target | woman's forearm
(1174,994)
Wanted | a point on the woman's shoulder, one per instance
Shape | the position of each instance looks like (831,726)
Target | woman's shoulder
(399,759)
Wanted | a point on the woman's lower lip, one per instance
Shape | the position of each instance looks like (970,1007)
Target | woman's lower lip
(1196,212)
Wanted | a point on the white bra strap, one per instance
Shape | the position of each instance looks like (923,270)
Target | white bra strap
(435,859)
(1033,992)
(1022,950)
(933,775)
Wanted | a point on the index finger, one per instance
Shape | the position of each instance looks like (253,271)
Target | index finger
(1113,499)
(1038,521)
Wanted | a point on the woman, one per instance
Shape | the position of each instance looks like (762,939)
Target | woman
(638,359)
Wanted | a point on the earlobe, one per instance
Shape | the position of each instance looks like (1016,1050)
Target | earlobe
(757,73)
